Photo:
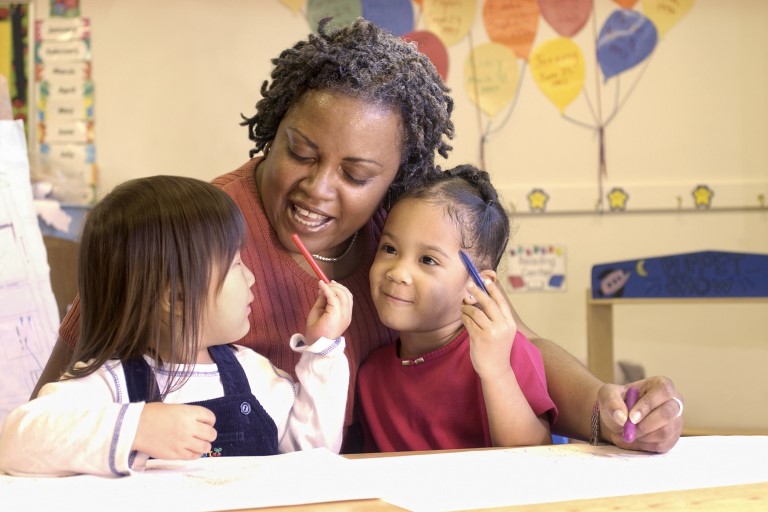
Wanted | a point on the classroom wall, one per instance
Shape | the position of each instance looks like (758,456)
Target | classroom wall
(171,79)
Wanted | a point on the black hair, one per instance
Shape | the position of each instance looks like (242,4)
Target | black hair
(472,202)
(155,240)
(362,61)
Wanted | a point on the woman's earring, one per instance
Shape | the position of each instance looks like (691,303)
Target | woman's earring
(266,149)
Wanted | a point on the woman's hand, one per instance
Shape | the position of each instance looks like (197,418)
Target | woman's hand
(331,314)
(657,414)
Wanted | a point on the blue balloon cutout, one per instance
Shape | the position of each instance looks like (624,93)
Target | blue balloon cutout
(393,15)
(626,39)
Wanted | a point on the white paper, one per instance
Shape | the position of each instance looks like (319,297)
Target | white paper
(208,484)
(544,474)
(441,481)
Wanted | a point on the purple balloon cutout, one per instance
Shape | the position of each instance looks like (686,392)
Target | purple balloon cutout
(626,39)
(393,15)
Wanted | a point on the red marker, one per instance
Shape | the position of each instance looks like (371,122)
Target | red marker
(629,427)
(309,258)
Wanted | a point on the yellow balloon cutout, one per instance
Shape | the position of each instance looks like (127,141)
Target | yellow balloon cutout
(450,20)
(665,13)
(490,76)
(557,66)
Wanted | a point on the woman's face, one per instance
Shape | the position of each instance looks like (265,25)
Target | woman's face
(329,167)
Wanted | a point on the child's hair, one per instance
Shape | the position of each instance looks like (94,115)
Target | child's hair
(472,202)
(367,62)
(150,248)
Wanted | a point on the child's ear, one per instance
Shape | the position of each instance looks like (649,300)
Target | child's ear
(489,279)
(165,303)
(488,275)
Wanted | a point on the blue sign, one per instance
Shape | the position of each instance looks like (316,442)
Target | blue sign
(689,275)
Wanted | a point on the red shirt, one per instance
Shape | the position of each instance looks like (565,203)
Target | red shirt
(438,403)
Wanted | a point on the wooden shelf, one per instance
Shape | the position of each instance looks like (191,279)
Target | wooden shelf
(600,341)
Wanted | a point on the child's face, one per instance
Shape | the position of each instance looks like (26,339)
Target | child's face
(418,281)
(226,317)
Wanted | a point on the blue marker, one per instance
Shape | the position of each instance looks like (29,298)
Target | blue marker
(472,271)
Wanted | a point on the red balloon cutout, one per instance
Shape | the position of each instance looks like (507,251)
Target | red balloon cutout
(431,46)
(567,17)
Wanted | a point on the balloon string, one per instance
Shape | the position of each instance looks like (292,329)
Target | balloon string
(602,171)
(477,99)
(620,103)
(512,105)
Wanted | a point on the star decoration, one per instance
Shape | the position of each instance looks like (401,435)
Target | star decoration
(537,199)
(702,196)
(618,199)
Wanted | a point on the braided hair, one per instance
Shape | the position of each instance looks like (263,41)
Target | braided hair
(472,203)
(362,61)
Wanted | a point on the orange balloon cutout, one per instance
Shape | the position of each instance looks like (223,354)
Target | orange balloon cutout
(626,4)
(665,13)
(557,67)
(513,23)
(450,20)
(491,74)
(567,17)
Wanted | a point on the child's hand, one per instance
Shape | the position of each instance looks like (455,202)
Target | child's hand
(491,329)
(175,431)
(331,314)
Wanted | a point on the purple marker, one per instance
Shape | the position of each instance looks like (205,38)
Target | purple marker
(629,427)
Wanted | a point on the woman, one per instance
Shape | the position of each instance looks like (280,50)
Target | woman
(351,118)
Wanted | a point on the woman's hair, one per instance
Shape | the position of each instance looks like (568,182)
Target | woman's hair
(150,248)
(472,203)
(362,61)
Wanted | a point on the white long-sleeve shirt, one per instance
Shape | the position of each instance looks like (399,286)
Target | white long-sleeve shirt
(88,425)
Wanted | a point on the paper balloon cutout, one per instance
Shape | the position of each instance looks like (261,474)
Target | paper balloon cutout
(626,39)
(627,4)
(490,76)
(513,23)
(558,69)
(567,17)
(450,20)
(294,5)
(431,46)
(344,12)
(393,15)
(665,13)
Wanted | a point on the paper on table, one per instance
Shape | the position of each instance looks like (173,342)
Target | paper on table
(519,476)
(444,481)
(225,483)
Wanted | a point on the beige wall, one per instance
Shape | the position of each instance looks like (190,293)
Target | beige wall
(172,77)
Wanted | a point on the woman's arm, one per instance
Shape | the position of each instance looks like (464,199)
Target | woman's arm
(572,387)
(63,349)
(574,390)
(55,367)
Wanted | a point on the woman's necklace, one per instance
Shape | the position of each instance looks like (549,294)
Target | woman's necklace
(337,258)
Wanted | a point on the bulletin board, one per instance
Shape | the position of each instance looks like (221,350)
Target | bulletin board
(668,112)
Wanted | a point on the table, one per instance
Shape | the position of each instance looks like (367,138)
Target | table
(742,498)
(709,473)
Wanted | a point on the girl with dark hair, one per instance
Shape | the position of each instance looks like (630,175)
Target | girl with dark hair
(164,295)
(460,375)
